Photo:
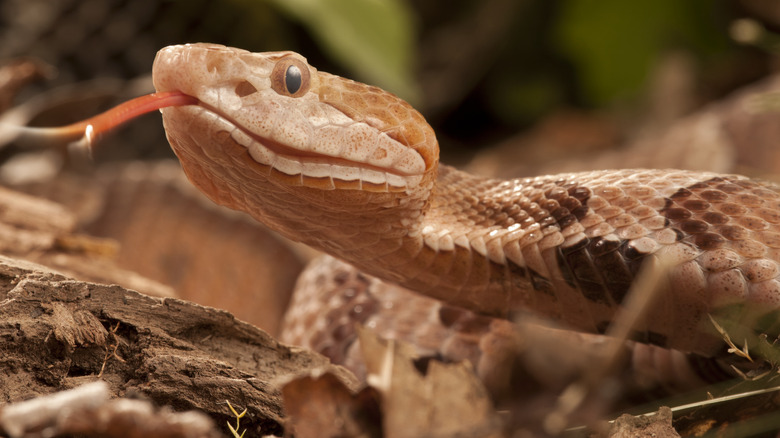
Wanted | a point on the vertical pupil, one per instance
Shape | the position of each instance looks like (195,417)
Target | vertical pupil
(292,79)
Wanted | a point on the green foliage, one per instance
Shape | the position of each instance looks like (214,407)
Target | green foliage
(373,38)
(614,43)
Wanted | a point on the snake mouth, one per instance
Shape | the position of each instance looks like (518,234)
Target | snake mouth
(301,167)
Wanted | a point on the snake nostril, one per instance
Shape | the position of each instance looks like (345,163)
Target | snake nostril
(244,88)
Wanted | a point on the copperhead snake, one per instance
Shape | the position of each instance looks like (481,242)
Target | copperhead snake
(353,171)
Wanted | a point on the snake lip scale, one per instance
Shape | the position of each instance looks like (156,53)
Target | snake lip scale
(352,170)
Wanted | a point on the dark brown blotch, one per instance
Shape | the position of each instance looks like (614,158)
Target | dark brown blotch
(617,271)
(567,221)
(630,252)
(564,217)
(713,195)
(681,194)
(676,213)
(696,205)
(559,213)
(594,291)
(694,226)
(708,241)
(699,185)
(570,203)
(580,193)
(580,212)
(579,271)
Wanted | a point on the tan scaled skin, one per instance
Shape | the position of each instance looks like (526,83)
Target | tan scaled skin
(352,170)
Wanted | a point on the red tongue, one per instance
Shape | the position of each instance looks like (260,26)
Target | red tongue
(118,115)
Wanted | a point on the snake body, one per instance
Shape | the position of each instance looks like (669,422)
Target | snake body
(353,171)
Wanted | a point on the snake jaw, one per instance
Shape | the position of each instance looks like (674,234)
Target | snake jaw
(311,140)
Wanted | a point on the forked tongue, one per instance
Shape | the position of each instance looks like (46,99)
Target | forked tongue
(86,131)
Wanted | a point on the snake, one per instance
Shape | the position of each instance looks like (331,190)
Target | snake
(353,171)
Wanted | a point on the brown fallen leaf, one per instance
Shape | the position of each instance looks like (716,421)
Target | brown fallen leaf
(449,400)
(324,407)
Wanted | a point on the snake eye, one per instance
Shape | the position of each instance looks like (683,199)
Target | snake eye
(293,79)
(290,77)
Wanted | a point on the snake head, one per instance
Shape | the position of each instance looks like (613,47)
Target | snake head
(301,127)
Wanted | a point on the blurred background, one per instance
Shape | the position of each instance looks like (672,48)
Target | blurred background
(482,72)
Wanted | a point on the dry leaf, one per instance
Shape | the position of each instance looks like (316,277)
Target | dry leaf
(324,407)
(449,400)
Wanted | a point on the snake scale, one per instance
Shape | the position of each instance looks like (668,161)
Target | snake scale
(353,171)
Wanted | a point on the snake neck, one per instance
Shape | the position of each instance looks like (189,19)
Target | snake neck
(464,245)
(454,241)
